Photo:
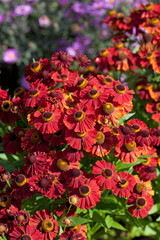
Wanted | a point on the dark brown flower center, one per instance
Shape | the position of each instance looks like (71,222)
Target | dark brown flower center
(93,93)
(82,83)
(53,94)
(120,88)
(44,183)
(63,57)
(107,173)
(5,201)
(19,91)
(141,202)
(85,190)
(145,133)
(33,92)
(123,183)
(107,80)
(12,137)
(151,169)
(58,134)
(34,65)
(135,128)
(32,159)
(26,237)
(48,116)
(6,105)
(79,116)
(126,130)
(115,131)
(36,138)
(63,77)
(20,180)
(76,172)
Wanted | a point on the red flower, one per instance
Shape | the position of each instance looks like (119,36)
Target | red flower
(82,60)
(44,221)
(88,194)
(6,113)
(103,143)
(148,173)
(75,139)
(154,108)
(36,95)
(121,93)
(36,163)
(73,155)
(107,174)
(25,232)
(74,177)
(143,186)
(143,138)
(62,59)
(71,235)
(33,142)
(56,139)
(141,205)
(80,119)
(3,95)
(48,121)
(155,133)
(125,185)
(136,125)
(128,153)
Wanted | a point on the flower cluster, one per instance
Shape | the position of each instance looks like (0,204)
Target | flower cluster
(136,46)
(70,120)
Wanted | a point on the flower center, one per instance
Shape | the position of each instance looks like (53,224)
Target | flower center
(3,229)
(120,88)
(20,180)
(36,67)
(145,133)
(58,134)
(63,77)
(154,21)
(85,190)
(47,225)
(12,137)
(107,80)
(148,6)
(126,130)
(63,164)
(19,91)
(63,57)
(74,200)
(147,37)
(127,20)
(6,105)
(79,116)
(76,172)
(94,94)
(107,173)
(5,201)
(20,218)
(34,93)
(36,138)
(146,162)
(123,183)
(131,146)
(32,159)
(81,135)
(73,238)
(135,128)
(139,187)
(43,183)
(53,94)
(82,83)
(158,107)
(108,108)
(104,53)
(100,138)
(112,13)
(121,55)
(141,202)
(151,169)
(115,131)
(26,237)
(53,179)
(48,116)
(149,56)
(45,73)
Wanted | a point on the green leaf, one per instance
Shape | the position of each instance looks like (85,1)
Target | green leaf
(155,208)
(99,219)
(124,118)
(118,226)
(109,221)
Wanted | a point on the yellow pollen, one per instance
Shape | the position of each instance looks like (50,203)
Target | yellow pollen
(36,67)
(47,225)
(6,105)
(100,138)
(104,53)
(63,164)
(81,135)
(131,146)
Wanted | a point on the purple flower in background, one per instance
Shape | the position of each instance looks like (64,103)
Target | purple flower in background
(24,83)
(61,45)
(1,18)
(79,7)
(44,21)
(75,49)
(23,10)
(64,2)
(10,56)
(83,40)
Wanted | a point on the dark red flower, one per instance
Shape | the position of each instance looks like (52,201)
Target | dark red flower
(141,205)
(74,177)
(125,185)
(25,233)
(33,142)
(88,194)
(44,221)
(62,59)
(82,60)
(107,175)
(72,235)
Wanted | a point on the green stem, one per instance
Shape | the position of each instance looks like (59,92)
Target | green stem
(22,119)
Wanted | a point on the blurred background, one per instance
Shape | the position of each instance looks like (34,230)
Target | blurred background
(33,29)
